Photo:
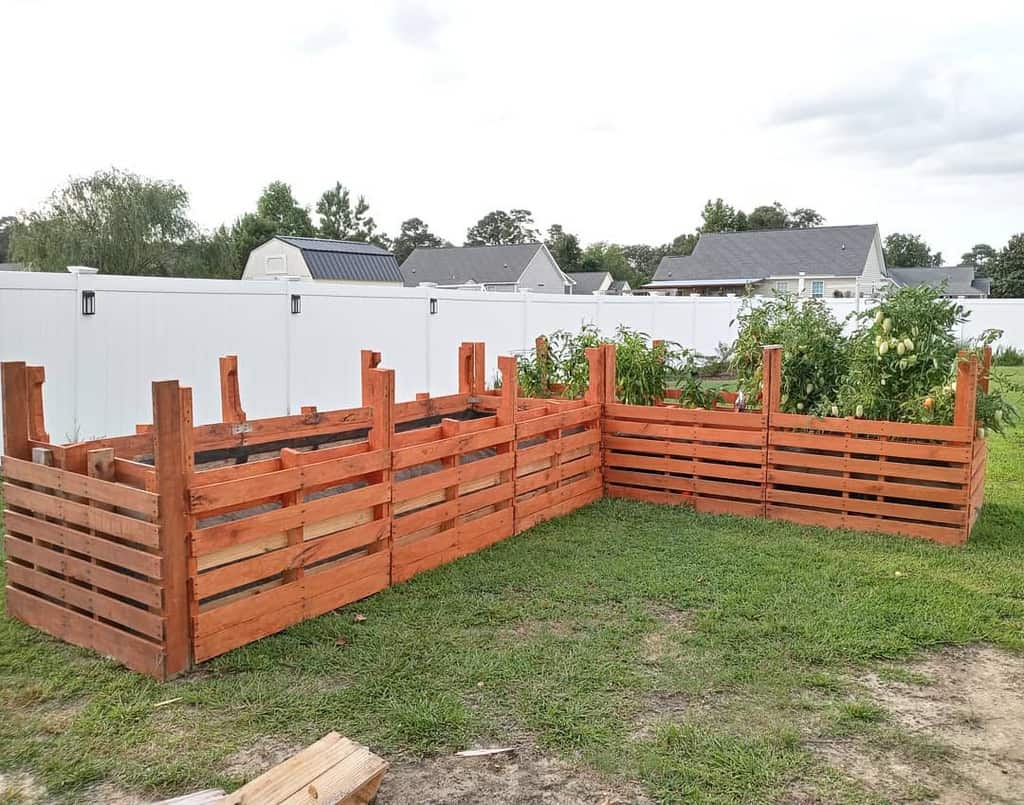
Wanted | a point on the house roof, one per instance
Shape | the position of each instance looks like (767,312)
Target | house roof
(618,287)
(346,260)
(957,280)
(589,281)
(456,265)
(837,251)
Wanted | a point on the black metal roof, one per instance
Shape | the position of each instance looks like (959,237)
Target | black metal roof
(349,260)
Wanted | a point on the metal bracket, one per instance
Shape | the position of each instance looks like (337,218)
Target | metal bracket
(240,428)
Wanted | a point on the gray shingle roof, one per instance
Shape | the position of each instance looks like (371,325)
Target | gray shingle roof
(618,287)
(588,281)
(839,251)
(346,260)
(959,280)
(456,265)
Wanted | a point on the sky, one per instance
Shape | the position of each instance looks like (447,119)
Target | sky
(616,120)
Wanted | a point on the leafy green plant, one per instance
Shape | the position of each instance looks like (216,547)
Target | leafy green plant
(814,355)
(562,364)
(1008,356)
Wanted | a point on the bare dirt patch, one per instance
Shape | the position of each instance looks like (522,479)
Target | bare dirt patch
(973,706)
(20,788)
(522,778)
(253,760)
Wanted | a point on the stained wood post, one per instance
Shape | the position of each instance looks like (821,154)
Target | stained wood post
(986,369)
(368,359)
(14,378)
(594,394)
(230,397)
(966,391)
(771,376)
(37,420)
(610,382)
(472,366)
(173,467)
(509,368)
(380,393)
(543,353)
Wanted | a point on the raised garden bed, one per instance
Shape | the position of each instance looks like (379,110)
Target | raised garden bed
(178,543)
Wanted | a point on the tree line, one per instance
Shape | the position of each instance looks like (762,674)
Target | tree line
(123,223)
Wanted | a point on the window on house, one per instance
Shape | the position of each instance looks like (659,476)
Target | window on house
(275,264)
(782,286)
(818,288)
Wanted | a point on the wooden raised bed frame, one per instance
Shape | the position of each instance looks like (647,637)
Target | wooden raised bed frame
(181,542)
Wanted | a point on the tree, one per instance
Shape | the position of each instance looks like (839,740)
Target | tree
(980,256)
(610,257)
(339,220)
(277,213)
(768,217)
(1007,269)
(209,255)
(7,223)
(500,228)
(908,251)
(414,235)
(805,218)
(114,220)
(721,217)
(682,245)
(565,248)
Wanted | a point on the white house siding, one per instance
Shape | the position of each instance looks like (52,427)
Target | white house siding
(256,265)
(542,275)
(874,272)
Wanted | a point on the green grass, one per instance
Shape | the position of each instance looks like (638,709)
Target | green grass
(582,636)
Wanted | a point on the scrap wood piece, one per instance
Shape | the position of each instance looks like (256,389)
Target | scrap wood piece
(333,771)
(211,796)
(500,750)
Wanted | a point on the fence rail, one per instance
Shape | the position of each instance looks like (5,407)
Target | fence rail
(181,542)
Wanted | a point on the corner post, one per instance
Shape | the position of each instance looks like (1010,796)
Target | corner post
(36,417)
(594,394)
(543,356)
(472,367)
(230,397)
(14,377)
(172,413)
(506,415)
(368,359)
(986,369)
(967,375)
(771,397)
(610,394)
(379,393)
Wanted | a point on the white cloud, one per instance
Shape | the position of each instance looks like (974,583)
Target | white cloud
(616,120)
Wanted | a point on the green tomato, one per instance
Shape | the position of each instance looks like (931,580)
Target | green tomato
(835,410)
(908,344)
(809,388)
(883,348)
(901,348)
(887,326)
(860,411)
(879,316)
(799,406)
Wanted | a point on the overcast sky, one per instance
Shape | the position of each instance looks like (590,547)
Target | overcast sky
(617,120)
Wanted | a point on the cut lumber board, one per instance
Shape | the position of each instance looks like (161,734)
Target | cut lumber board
(333,771)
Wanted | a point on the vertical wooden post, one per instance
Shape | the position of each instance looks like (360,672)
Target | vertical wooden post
(543,353)
(172,471)
(379,394)
(610,381)
(966,391)
(594,395)
(99,463)
(656,344)
(771,397)
(14,379)
(37,420)
(986,369)
(506,414)
(368,359)
(472,367)
(230,397)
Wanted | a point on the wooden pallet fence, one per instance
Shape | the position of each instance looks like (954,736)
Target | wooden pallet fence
(713,460)
(890,477)
(83,549)
(453,488)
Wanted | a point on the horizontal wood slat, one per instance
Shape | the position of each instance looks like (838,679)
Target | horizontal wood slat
(72,483)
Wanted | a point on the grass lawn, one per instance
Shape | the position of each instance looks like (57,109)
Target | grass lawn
(578,638)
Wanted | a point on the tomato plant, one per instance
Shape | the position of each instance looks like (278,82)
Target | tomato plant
(814,355)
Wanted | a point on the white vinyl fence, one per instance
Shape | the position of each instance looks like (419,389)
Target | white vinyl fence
(99,367)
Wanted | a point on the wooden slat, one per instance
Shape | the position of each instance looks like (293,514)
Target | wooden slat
(650,495)
(563,507)
(866,487)
(435,406)
(135,652)
(93,601)
(449,510)
(457,445)
(783,459)
(558,421)
(871,447)
(946,536)
(250,571)
(71,483)
(726,419)
(117,525)
(235,492)
(872,427)
(651,480)
(66,565)
(146,564)
(412,488)
(902,511)
(217,537)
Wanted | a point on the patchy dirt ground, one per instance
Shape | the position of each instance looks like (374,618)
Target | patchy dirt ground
(969,718)
(521,778)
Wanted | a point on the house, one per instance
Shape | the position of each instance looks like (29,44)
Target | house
(953,280)
(323,260)
(519,267)
(599,282)
(818,262)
